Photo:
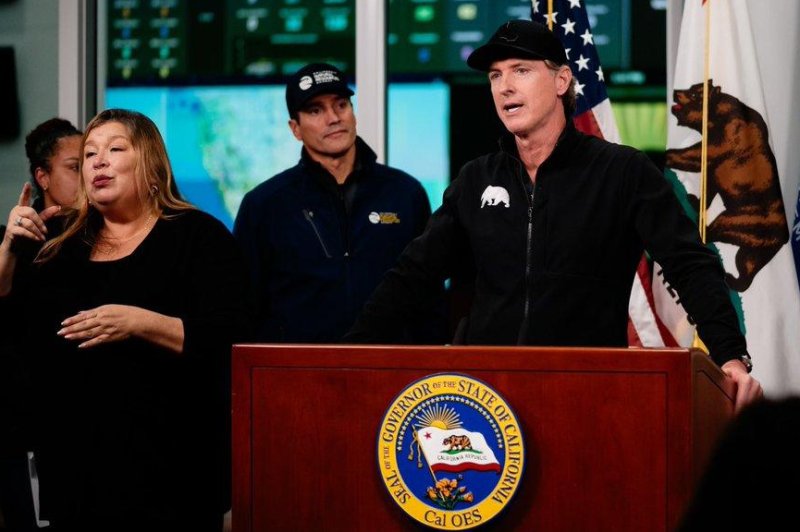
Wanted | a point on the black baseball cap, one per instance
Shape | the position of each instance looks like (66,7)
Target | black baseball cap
(312,80)
(522,39)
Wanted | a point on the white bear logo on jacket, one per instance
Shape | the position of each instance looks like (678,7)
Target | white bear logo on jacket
(495,196)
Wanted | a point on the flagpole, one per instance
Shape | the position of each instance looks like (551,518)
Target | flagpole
(702,211)
(550,15)
(704,141)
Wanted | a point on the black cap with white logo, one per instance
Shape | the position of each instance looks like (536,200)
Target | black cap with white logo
(312,80)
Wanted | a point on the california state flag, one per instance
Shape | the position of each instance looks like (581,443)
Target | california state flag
(456,450)
(745,219)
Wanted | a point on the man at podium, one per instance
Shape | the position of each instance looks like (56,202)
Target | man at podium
(554,224)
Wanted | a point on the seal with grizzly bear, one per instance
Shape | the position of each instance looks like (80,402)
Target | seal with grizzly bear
(742,170)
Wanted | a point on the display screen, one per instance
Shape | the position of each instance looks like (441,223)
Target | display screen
(432,36)
(233,41)
(223,141)
(212,41)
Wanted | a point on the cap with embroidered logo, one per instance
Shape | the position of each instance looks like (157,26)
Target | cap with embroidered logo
(518,39)
(312,80)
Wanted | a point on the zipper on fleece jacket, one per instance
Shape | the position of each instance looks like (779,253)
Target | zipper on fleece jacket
(523,328)
(309,215)
(522,174)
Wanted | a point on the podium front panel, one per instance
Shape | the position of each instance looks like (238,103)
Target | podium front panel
(608,434)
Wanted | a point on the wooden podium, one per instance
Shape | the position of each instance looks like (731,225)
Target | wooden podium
(615,438)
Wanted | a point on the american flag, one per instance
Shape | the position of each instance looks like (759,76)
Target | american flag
(570,23)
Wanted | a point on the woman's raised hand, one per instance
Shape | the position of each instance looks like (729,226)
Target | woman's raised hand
(25,222)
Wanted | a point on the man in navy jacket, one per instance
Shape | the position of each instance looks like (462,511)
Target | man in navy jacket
(319,236)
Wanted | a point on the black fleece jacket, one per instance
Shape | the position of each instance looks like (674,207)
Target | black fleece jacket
(554,262)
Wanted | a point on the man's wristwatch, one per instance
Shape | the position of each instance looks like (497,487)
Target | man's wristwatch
(747,361)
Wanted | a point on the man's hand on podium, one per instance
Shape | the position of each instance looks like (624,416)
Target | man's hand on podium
(748,389)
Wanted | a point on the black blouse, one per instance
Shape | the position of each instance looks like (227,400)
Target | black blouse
(129,427)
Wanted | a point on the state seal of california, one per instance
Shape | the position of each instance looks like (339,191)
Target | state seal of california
(450,451)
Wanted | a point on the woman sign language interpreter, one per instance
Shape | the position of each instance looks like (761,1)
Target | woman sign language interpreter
(52,149)
(128,216)
(146,299)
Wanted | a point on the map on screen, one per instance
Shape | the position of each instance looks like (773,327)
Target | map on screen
(223,141)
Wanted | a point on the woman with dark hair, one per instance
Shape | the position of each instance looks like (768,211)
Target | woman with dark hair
(145,299)
(53,150)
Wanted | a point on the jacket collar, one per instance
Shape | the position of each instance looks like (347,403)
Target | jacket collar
(365,160)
